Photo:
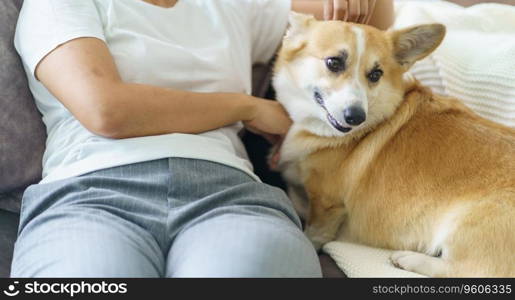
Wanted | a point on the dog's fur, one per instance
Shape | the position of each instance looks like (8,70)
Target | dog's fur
(422,174)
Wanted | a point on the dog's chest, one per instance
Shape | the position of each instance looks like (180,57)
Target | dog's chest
(293,152)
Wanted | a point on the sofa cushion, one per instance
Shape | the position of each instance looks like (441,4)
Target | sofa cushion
(22,132)
(8,230)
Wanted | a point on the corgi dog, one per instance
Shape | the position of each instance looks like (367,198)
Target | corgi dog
(375,158)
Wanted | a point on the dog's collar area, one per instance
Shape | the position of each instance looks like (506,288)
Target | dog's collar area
(317,95)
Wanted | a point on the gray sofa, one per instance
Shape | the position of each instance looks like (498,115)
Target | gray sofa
(22,134)
(22,139)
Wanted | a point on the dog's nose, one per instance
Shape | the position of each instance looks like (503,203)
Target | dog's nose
(354,115)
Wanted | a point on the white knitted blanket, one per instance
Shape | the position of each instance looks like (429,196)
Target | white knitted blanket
(476,60)
(475,63)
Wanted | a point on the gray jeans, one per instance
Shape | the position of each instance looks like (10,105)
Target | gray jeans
(165,218)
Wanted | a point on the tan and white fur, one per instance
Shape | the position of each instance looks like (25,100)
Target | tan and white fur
(386,163)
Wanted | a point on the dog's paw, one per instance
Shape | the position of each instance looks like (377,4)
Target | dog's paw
(406,260)
(420,263)
(275,156)
(317,238)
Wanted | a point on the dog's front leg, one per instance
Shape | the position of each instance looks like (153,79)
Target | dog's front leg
(325,218)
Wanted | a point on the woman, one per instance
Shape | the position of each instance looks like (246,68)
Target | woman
(144,174)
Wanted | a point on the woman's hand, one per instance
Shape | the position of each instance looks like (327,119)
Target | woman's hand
(358,11)
(268,119)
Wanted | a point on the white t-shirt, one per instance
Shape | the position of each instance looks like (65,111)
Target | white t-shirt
(197,45)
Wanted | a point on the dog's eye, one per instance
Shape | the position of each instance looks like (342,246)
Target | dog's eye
(335,64)
(375,75)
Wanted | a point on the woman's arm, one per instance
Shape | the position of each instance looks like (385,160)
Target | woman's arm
(383,15)
(83,76)
(378,13)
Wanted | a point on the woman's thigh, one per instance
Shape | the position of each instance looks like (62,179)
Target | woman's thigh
(109,223)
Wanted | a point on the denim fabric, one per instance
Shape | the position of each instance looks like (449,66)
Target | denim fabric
(165,218)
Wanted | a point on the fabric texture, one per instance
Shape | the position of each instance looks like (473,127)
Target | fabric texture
(22,133)
(215,54)
(172,217)
(465,66)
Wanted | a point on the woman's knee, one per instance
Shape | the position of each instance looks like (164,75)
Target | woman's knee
(58,244)
(288,253)
(243,245)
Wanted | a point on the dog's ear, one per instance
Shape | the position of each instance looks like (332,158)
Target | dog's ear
(414,43)
(298,26)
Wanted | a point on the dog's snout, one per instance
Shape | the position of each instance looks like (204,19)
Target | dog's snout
(354,115)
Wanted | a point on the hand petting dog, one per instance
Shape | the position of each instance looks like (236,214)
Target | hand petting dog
(357,11)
